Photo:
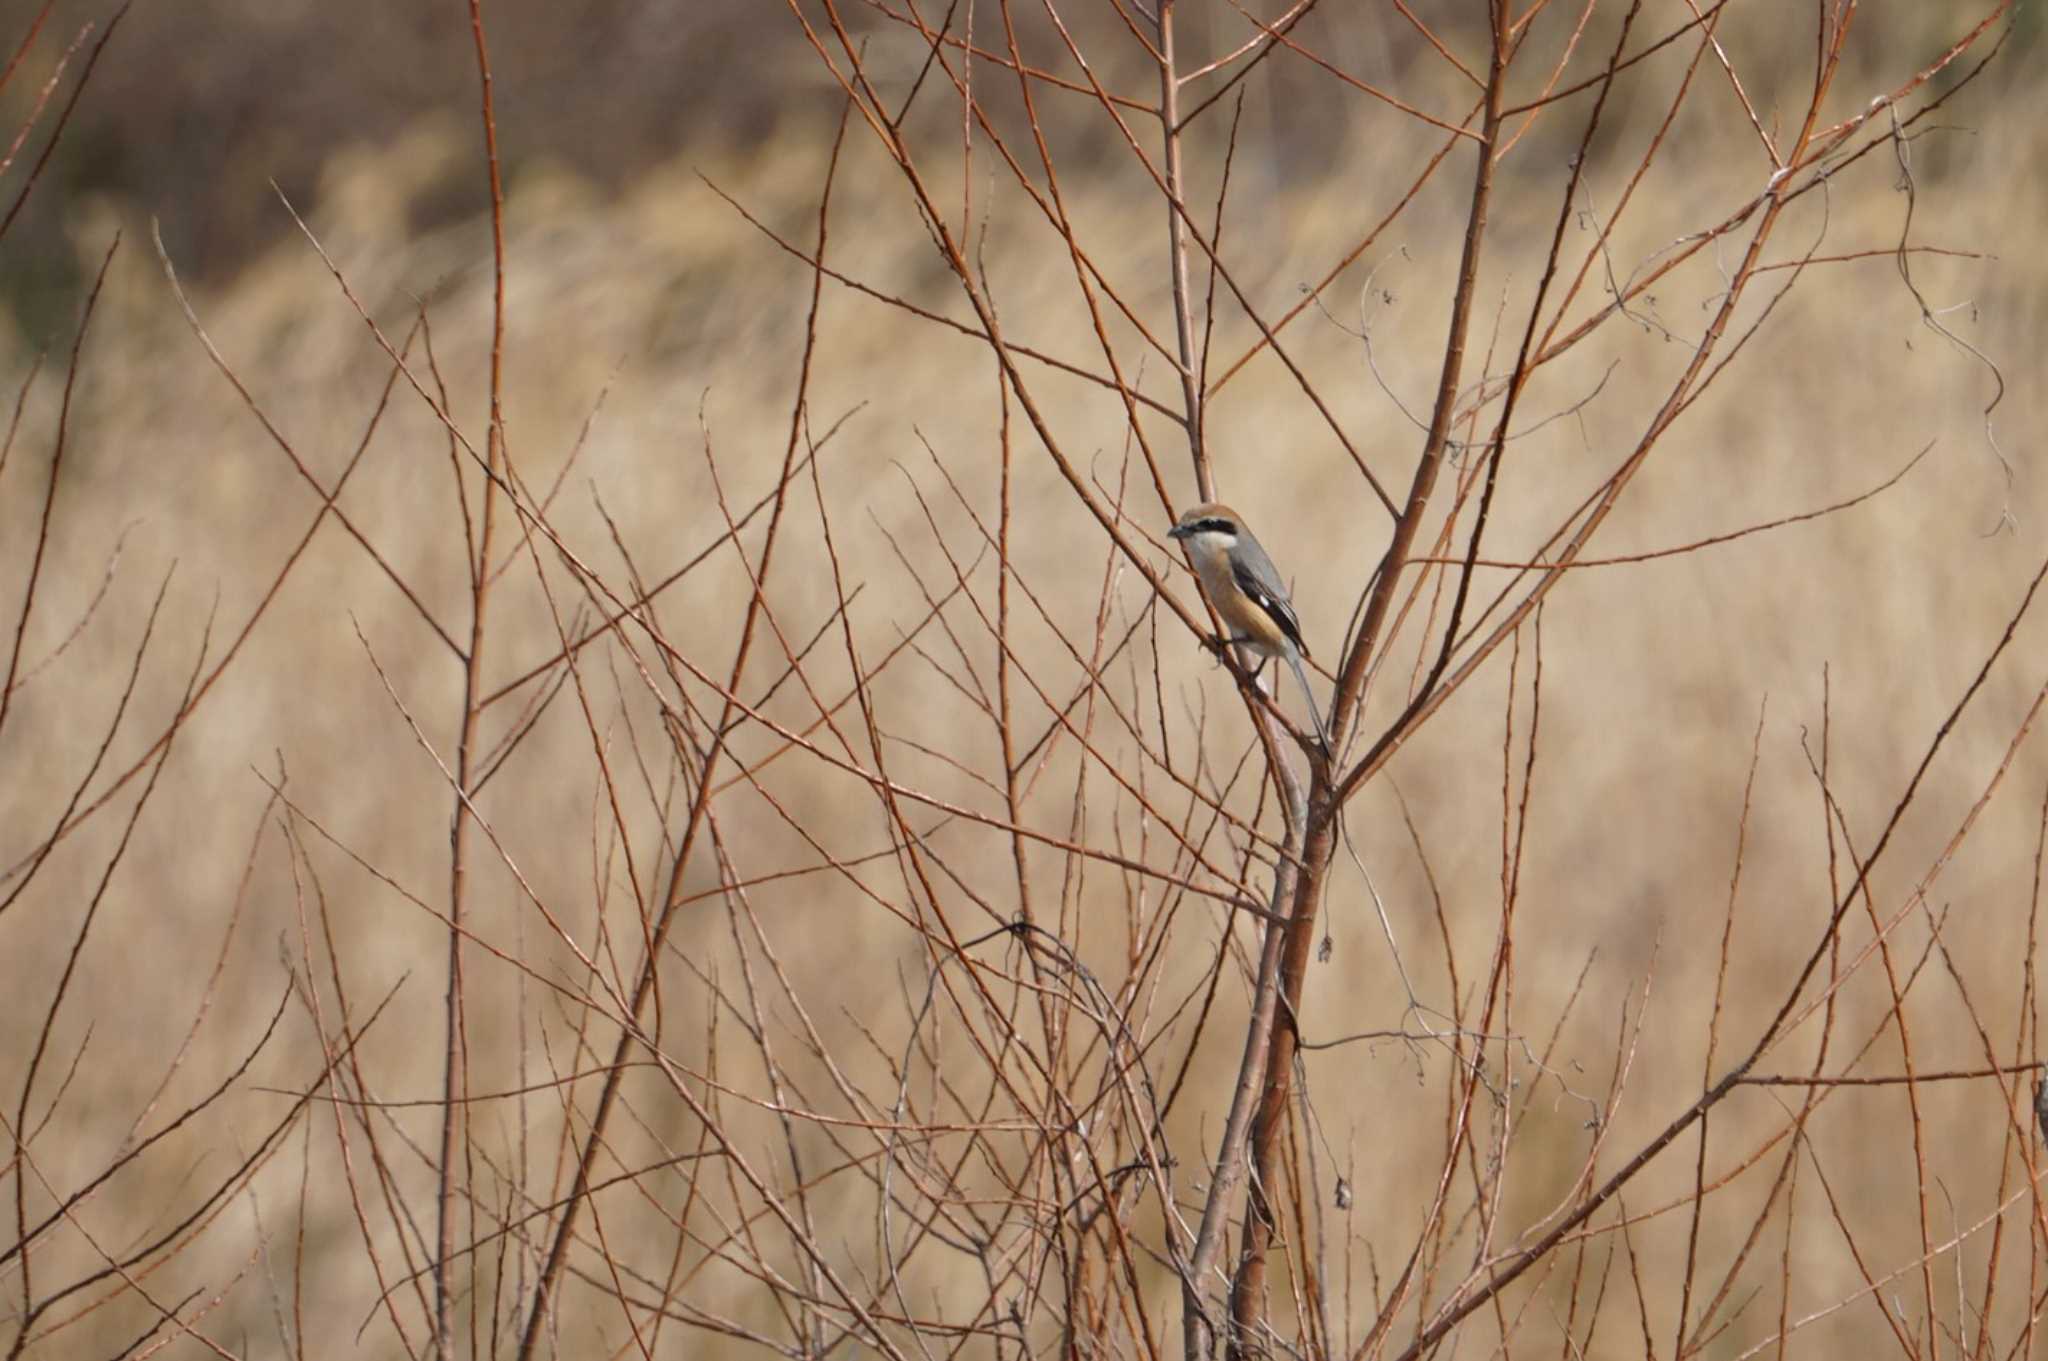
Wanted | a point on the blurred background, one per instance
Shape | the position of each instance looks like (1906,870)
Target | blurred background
(653,334)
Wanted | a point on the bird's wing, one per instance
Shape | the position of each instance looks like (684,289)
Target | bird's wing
(1258,578)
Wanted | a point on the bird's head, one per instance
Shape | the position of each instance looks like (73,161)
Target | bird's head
(1211,524)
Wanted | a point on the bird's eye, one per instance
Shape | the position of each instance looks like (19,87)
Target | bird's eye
(1216,525)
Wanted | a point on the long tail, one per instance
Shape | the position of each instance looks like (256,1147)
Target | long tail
(1315,712)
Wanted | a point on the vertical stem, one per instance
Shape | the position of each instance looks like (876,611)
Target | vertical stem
(455,1079)
(1248,1290)
(1177,255)
(1352,669)
(1297,936)
(1197,1333)
(1255,1068)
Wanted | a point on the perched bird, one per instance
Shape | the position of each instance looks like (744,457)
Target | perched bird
(1246,589)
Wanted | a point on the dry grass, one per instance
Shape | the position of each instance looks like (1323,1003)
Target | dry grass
(659,319)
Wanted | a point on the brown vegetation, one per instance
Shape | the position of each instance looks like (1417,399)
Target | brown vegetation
(869,920)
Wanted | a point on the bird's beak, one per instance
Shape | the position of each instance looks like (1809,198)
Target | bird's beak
(1178,532)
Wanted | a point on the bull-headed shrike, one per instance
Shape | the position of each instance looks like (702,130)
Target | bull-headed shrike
(1245,588)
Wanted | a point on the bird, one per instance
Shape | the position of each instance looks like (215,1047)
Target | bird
(1245,588)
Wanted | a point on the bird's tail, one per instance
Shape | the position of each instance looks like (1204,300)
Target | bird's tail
(1315,712)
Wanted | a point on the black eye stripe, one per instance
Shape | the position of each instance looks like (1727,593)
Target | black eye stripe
(1214,525)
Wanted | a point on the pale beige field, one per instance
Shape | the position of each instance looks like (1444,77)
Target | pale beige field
(658,318)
